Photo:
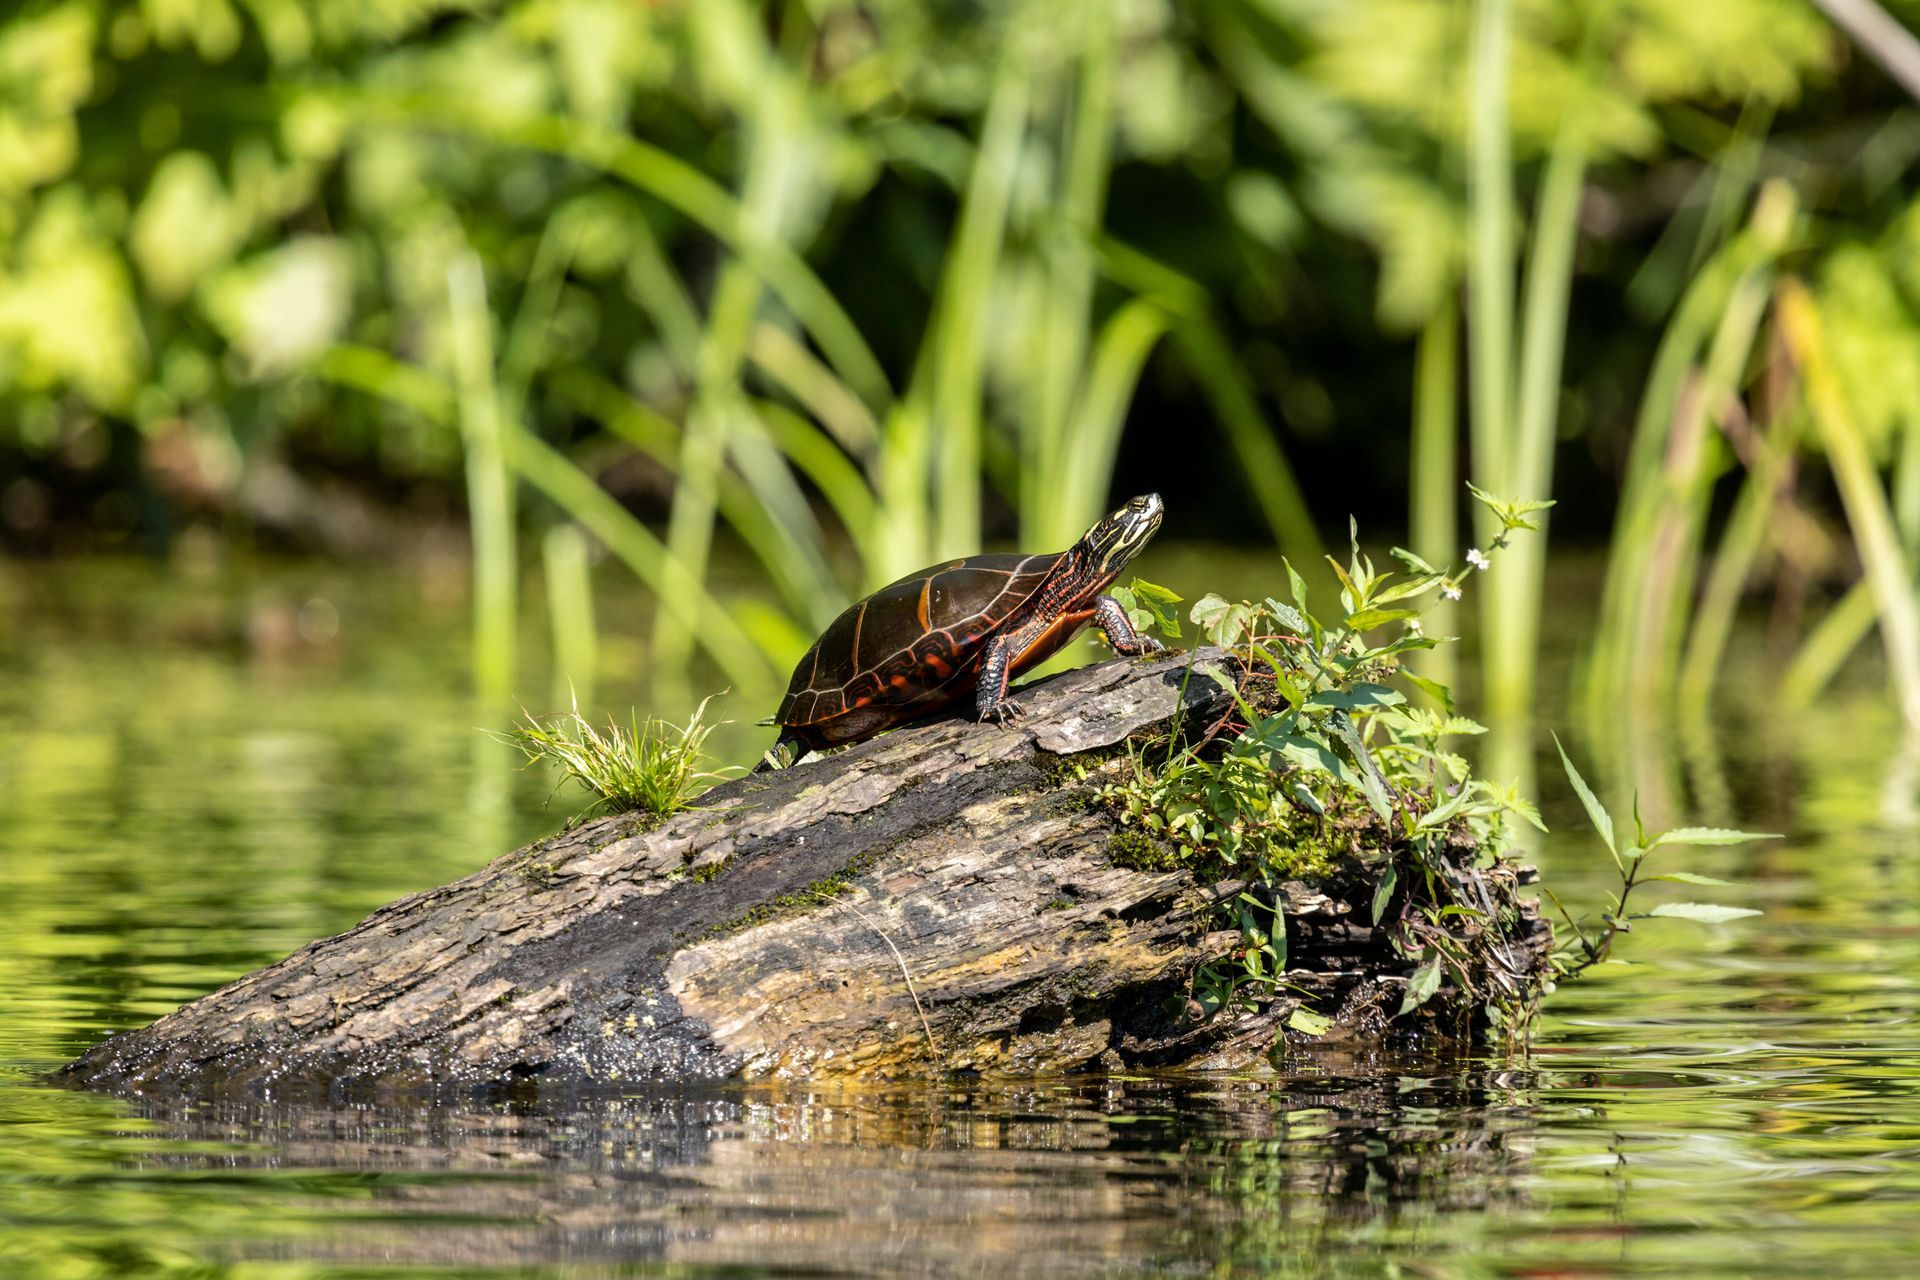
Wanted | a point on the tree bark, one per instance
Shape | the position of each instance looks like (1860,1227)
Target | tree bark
(941,899)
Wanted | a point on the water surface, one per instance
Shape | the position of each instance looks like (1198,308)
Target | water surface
(201,772)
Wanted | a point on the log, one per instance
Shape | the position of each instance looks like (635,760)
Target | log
(944,898)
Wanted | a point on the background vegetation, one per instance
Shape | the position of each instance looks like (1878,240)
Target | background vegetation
(771,303)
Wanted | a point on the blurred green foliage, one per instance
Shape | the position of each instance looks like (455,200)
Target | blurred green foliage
(863,283)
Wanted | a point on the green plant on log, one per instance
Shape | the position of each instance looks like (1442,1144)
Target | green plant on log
(1584,947)
(650,765)
(1325,770)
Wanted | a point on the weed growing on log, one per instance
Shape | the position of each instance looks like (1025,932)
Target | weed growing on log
(1326,768)
(650,765)
(1594,944)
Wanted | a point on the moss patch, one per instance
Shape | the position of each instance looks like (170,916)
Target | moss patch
(812,895)
(1136,850)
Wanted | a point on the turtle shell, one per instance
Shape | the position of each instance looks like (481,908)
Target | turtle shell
(911,648)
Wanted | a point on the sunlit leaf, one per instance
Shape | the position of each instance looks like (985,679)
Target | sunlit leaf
(1421,986)
(1367,619)
(1704,912)
(1357,697)
(1709,836)
(1596,812)
(1307,1022)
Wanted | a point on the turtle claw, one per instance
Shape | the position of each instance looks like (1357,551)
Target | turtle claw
(1006,711)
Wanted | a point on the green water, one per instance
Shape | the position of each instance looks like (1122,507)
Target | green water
(200,772)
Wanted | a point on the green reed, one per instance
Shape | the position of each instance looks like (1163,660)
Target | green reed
(490,504)
(576,650)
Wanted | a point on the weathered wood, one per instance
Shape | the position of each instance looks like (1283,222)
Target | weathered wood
(939,899)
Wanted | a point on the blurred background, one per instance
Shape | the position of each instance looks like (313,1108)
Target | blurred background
(644,336)
(371,370)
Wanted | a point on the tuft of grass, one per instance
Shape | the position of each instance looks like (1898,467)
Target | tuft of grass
(649,764)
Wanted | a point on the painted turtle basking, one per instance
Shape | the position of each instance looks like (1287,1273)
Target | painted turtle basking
(959,629)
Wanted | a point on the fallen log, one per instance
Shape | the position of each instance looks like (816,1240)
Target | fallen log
(945,898)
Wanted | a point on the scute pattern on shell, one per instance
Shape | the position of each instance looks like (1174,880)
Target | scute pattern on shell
(912,644)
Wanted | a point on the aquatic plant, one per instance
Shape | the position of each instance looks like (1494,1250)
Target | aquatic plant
(1337,761)
(650,764)
(1585,947)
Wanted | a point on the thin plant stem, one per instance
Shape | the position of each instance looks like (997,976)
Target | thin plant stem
(1740,546)
(1490,288)
(1053,444)
(489,486)
(576,642)
(1511,604)
(1434,519)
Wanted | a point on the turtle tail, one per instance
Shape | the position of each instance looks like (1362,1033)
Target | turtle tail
(785,751)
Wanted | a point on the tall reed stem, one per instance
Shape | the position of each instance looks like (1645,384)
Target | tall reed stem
(1511,606)
(576,644)
(961,327)
(1434,521)
(1861,494)
(489,486)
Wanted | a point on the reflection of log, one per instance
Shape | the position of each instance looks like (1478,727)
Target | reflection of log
(1140,1175)
(940,898)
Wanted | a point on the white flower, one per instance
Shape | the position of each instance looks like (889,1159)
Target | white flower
(1413,628)
(1477,558)
(1451,591)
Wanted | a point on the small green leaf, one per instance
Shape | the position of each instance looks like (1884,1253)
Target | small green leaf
(1704,912)
(1421,986)
(1289,617)
(1595,812)
(1149,607)
(1432,688)
(1688,877)
(1368,619)
(1413,561)
(1357,697)
(1511,513)
(1296,583)
(1349,595)
(1383,893)
(1307,1022)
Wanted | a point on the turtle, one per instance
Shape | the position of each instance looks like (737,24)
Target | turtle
(961,628)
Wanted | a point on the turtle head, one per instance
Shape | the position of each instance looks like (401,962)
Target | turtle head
(1109,545)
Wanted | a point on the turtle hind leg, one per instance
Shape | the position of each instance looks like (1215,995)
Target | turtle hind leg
(1113,622)
(784,753)
(990,701)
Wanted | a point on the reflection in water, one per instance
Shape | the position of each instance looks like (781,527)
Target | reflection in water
(1072,1178)
(176,811)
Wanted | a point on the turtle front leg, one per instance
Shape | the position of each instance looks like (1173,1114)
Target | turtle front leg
(990,701)
(1113,622)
